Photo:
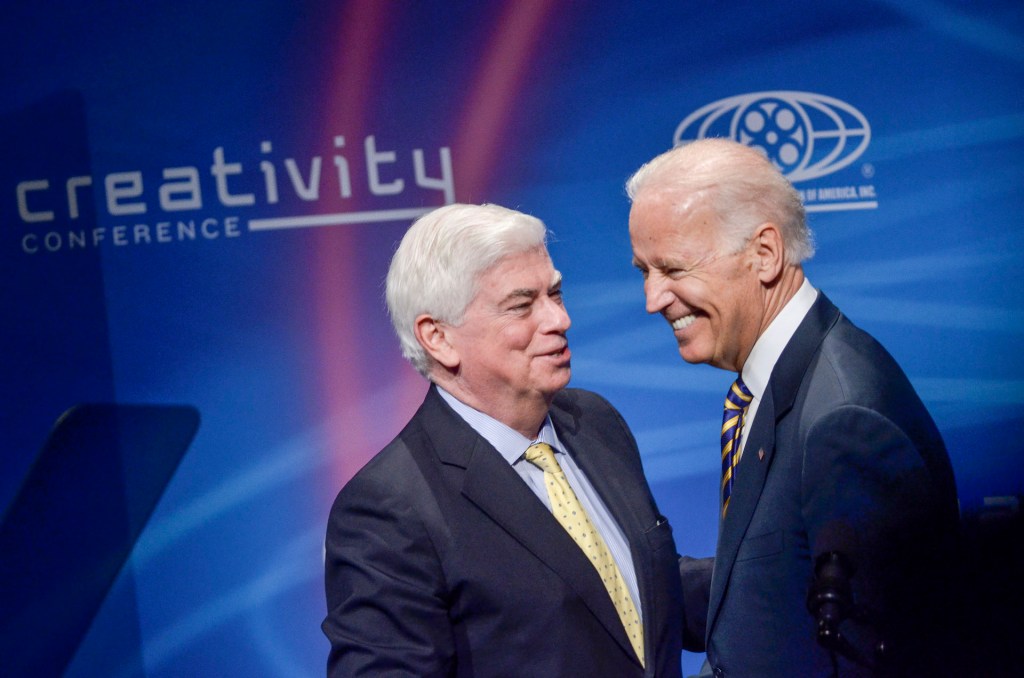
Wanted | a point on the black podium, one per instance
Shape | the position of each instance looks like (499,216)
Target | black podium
(74,521)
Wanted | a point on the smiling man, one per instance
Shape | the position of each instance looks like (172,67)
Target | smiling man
(838,506)
(508,530)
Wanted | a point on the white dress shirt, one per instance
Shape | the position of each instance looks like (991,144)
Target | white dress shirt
(757,370)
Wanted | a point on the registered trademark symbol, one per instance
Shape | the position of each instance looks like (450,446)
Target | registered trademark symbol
(868,170)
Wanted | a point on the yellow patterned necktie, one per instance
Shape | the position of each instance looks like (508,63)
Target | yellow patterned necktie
(571,515)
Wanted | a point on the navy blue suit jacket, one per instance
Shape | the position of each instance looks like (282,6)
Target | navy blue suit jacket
(843,457)
(442,562)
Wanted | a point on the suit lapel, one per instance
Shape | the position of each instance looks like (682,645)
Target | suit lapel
(497,490)
(752,472)
(750,478)
(608,473)
(615,481)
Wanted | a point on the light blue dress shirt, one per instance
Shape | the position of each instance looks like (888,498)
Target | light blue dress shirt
(511,445)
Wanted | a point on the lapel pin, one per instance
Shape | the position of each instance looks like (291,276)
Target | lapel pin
(760,454)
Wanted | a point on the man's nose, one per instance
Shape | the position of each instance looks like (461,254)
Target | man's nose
(657,294)
(558,318)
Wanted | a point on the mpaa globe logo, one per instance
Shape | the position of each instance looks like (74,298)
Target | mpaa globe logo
(806,135)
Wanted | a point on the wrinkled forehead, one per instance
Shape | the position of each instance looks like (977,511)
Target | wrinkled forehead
(663,225)
(527,269)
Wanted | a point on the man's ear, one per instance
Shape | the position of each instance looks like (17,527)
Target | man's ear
(433,337)
(769,252)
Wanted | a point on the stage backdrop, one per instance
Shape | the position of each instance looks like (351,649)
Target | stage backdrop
(199,202)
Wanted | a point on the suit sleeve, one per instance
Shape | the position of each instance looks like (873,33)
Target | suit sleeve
(385,592)
(695,574)
(868,492)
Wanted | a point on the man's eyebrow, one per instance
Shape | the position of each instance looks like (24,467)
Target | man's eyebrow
(522,292)
(531,293)
(658,264)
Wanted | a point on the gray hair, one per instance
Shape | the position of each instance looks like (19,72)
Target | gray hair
(440,259)
(739,183)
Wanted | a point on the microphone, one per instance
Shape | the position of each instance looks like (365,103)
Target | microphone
(830,598)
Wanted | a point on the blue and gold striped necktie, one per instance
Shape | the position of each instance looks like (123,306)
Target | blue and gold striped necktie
(736,403)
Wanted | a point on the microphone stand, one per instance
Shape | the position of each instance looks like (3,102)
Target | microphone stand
(830,600)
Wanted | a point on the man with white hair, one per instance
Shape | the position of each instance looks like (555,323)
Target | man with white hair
(508,530)
(838,505)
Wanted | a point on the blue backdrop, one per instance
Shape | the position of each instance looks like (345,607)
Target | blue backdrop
(199,201)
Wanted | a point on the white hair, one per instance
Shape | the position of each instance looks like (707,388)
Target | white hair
(440,259)
(739,183)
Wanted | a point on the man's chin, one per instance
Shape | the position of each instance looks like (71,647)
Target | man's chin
(567,376)
(560,380)
(691,356)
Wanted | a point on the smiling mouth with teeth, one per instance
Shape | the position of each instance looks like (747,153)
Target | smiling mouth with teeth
(684,322)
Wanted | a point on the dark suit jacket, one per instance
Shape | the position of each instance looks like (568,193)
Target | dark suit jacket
(842,457)
(442,562)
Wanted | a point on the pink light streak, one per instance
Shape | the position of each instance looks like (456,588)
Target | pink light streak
(341,292)
(497,86)
(335,259)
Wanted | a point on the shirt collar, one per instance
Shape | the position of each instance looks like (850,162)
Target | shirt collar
(509,443)
(757,370)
